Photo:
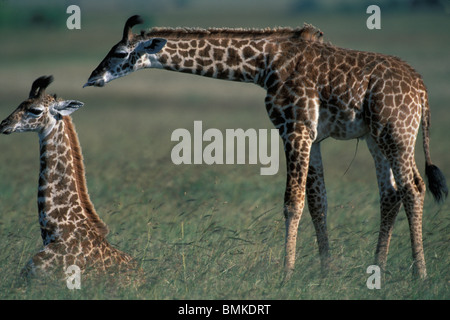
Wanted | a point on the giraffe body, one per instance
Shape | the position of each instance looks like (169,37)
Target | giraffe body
(314,91)
(72,232)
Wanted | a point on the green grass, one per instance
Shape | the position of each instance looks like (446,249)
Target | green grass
(213,232)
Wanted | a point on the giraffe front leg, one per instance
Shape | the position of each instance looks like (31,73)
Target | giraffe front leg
(297,148)
(317,204)
(293,209)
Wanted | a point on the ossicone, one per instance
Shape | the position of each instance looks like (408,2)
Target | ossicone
(39,85)
(131,22)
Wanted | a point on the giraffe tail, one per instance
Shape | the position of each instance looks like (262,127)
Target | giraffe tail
(436,179)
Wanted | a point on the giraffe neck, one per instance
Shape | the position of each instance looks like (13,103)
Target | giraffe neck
(232,55)
(63,202)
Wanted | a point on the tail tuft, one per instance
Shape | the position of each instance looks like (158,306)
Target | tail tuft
(436,182)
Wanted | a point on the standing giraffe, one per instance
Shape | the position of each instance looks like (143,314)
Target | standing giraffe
(72,232)
(314,91)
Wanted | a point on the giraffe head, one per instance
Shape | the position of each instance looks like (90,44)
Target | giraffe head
(40,112)
(132,53)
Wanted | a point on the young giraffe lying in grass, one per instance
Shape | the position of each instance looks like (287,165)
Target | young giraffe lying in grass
(72,232)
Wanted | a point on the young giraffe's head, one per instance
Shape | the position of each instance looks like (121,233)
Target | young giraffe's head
(40,112)
(132,53)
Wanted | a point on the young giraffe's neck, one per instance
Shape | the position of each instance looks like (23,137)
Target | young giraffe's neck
(63,201)
(229,54)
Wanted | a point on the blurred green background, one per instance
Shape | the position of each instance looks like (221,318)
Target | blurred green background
(209,232)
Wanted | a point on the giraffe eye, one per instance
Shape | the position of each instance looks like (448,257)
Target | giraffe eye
(35,112)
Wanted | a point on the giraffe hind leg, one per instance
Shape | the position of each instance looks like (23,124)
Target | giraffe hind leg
(411,192)
(414,195)
(390,202)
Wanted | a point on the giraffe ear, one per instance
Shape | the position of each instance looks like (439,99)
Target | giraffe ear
(152,45)
(66,107)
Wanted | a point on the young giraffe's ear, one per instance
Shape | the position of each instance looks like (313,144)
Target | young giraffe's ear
(152,45)
(66,107)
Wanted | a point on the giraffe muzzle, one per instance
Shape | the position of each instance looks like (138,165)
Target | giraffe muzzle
(99,82)
(4,129)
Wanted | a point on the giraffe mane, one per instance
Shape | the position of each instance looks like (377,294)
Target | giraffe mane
(307,32)
(93,217)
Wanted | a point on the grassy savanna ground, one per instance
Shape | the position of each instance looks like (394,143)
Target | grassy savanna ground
(211,232)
